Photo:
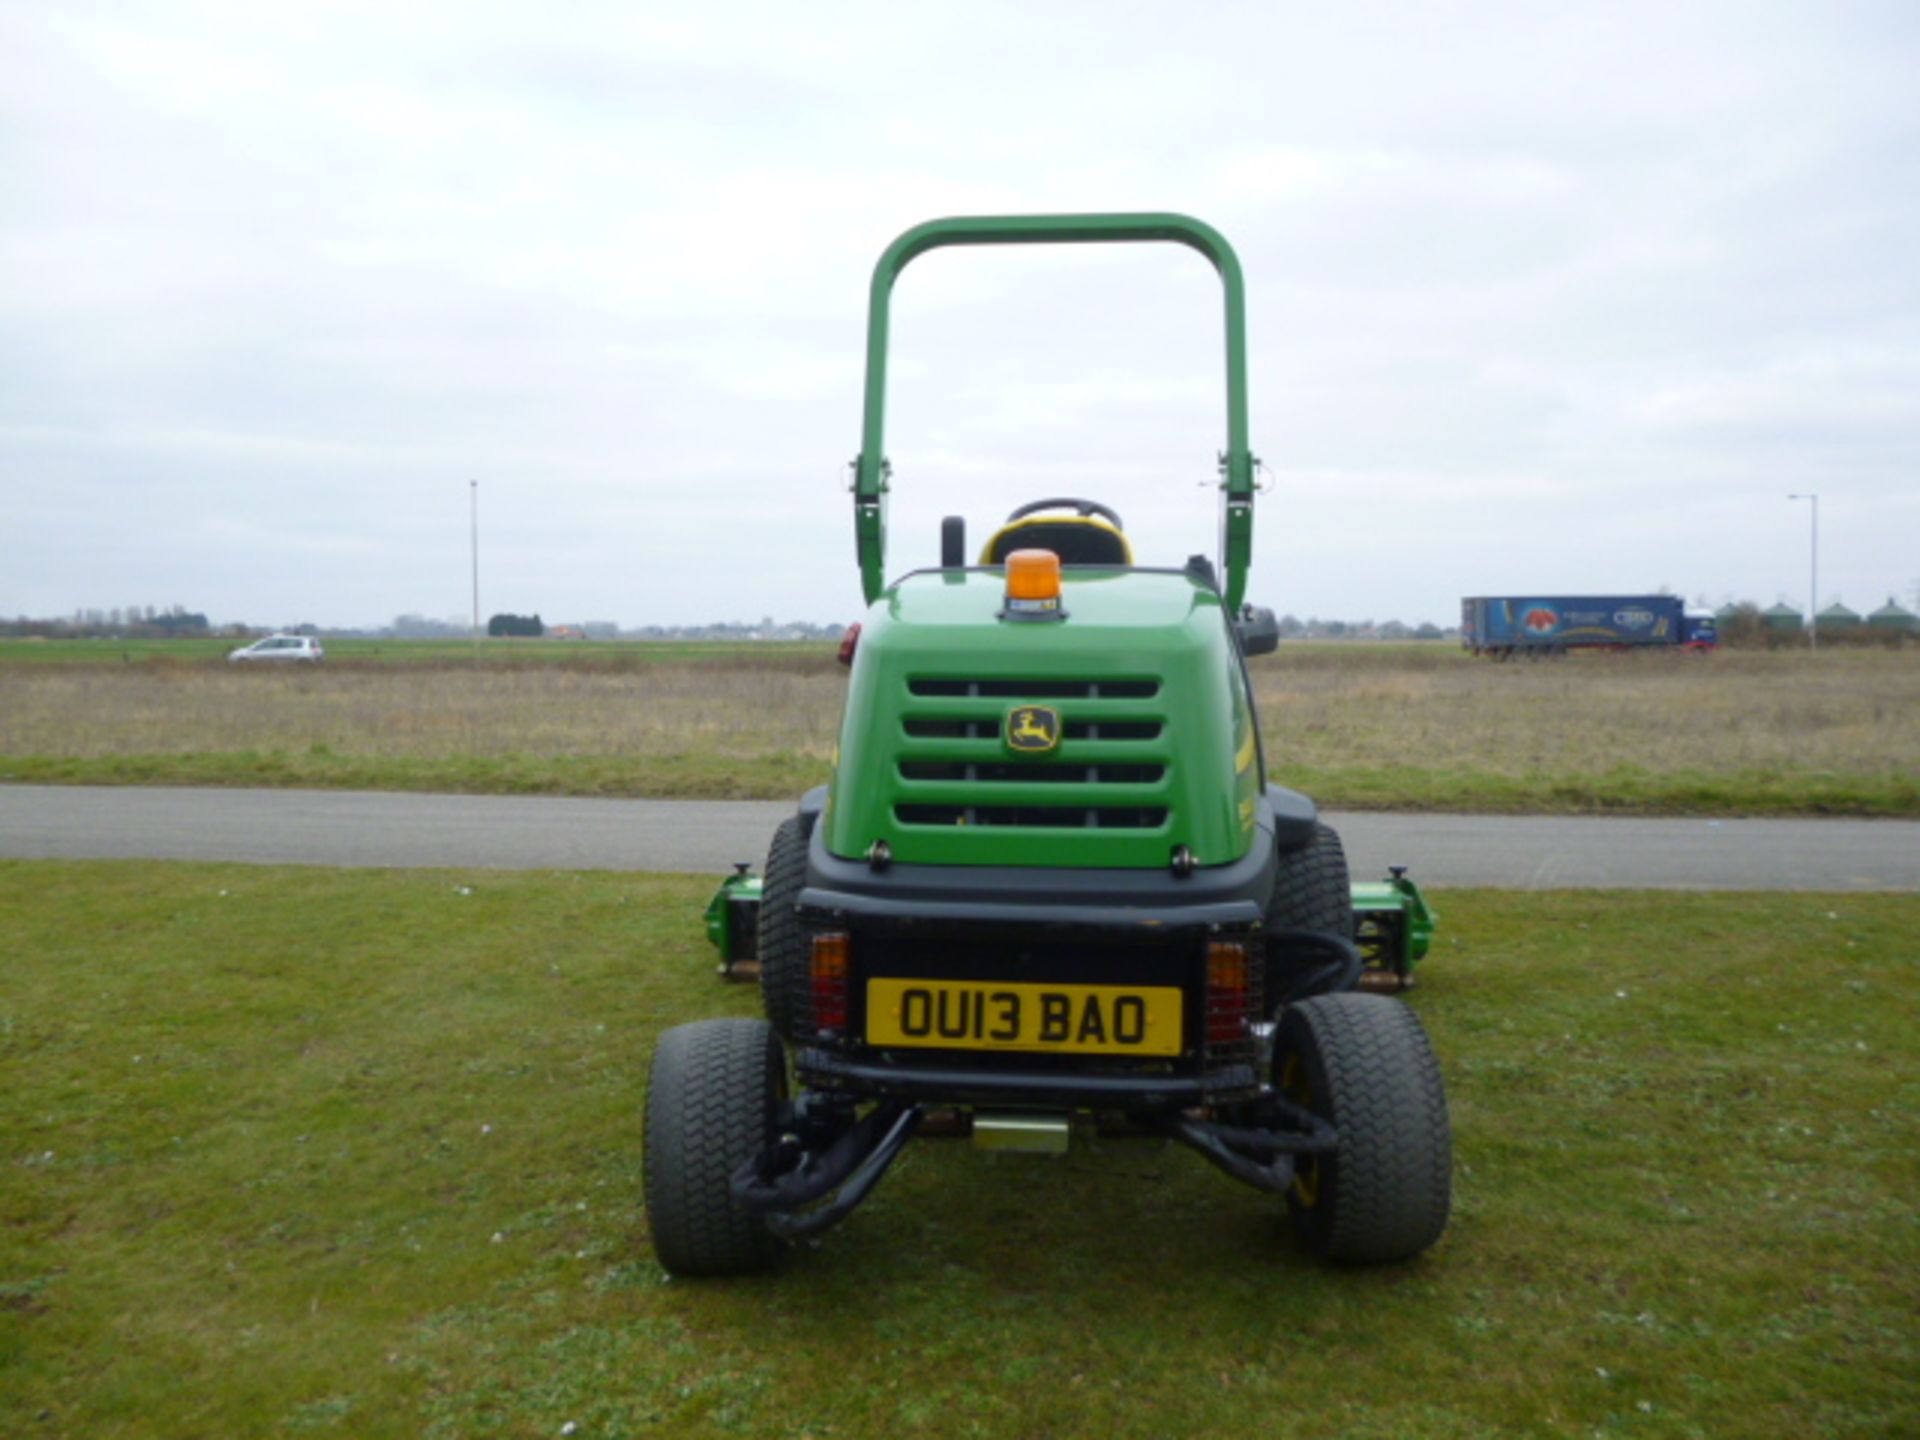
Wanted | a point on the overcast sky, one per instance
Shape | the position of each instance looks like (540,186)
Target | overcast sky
(1551,298)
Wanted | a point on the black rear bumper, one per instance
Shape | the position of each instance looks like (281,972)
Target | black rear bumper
(957,1082)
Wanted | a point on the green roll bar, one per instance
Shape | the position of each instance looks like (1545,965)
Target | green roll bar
(871,470)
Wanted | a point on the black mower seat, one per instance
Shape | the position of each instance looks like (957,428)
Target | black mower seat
(1076,539)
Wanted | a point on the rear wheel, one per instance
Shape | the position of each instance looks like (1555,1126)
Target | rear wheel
(783,954)
(1311,891)
(1362,1062)
(711,1104)
(1310,888)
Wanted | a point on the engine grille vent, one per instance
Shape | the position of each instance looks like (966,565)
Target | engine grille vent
(1052,817)
(1038,689)
(921,727)
(1111,771)
(1033,773)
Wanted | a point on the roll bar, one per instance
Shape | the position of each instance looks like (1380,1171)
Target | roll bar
(1236,462)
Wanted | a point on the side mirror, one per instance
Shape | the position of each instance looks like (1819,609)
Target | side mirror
(1259,632)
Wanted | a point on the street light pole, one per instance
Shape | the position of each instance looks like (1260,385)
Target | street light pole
(473,492)
(1813,578)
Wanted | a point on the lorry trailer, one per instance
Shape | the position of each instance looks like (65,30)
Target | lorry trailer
(1503,626)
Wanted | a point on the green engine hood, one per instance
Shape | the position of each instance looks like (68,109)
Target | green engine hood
(1156,746)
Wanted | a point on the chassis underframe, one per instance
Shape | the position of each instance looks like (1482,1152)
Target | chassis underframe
(830,1155)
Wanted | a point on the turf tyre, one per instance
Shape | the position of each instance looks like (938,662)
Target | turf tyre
(1310,892)
(1311,889)
(712,1098)
(782,942)
(1363,1063)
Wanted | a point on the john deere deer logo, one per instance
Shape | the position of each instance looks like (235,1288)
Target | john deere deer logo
(1033,728)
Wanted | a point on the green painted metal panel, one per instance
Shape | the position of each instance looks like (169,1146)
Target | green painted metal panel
(1237,462)
(1403,895)
(1157,748)
(720,917)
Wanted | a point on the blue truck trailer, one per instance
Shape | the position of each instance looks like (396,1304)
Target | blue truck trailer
(1503,626)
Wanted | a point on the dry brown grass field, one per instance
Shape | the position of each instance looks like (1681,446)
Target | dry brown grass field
(1803,718)
(1369,725)
(425,711)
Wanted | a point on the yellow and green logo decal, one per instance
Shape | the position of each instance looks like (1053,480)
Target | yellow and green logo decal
(1033,729)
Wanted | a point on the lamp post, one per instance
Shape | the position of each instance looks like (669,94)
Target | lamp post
(473,494)
(1813,579)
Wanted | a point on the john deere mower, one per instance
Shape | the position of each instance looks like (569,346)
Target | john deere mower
(1048,890)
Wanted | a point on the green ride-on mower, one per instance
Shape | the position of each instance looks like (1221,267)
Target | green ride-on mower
(1048,889)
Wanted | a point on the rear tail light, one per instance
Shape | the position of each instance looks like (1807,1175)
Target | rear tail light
(828,980)
(849,642)
(1230,996)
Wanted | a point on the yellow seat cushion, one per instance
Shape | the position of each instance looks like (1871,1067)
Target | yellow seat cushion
(1076,539)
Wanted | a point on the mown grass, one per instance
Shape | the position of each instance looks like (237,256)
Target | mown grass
(1362,726)
(356,1153)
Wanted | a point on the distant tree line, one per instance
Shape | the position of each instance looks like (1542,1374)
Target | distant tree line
(136,621)
(1292,627)
(516,625)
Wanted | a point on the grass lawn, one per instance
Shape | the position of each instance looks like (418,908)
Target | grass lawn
(356,1153)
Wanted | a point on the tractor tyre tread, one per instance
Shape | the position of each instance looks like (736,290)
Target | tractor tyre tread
(781,939)
(710,1099)
(1311,890)
(1385,1194)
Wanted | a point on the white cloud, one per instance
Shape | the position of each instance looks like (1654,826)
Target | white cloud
(1570,297)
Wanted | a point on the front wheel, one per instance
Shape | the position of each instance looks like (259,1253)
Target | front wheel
(1362,1062)
(712,1098)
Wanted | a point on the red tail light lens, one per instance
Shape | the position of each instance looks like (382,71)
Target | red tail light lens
(1229,993)
(829,980)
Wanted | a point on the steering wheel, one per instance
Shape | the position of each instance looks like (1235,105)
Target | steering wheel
(1085,507)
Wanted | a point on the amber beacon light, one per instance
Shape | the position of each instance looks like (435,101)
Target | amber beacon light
(1033,586)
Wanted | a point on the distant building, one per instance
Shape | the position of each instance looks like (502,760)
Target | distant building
(1893,616)
(1781,617)
(1838,617)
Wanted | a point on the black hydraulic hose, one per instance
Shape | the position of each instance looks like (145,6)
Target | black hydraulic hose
(1339,971)
(790,1226)
(787,1176)
(1260,1157)
(1274,1175)
(786,1179)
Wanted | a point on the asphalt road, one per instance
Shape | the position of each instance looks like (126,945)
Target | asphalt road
(489,832)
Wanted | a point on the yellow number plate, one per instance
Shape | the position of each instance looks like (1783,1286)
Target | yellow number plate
(964,1015)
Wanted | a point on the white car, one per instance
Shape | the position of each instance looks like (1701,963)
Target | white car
(281,647)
